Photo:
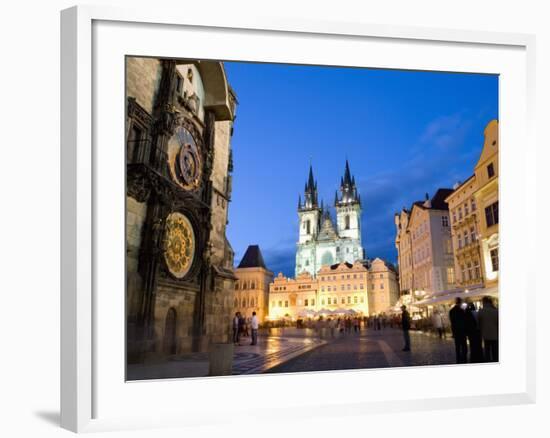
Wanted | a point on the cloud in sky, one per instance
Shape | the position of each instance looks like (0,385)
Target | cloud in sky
(437,162)
(404,133)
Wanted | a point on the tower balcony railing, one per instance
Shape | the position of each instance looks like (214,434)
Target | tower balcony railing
(142,152)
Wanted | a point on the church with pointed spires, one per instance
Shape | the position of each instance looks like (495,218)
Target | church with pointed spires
(321,241)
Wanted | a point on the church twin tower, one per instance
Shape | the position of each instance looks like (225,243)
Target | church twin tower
(319,243)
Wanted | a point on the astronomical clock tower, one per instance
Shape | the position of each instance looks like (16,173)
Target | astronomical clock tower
(180,283)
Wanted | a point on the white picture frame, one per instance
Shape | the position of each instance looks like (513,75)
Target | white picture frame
(83,321)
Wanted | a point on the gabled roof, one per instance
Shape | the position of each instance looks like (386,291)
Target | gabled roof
(252,258)
(438,200)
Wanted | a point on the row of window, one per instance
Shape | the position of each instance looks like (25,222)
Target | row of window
(245,303)
(328,301)
(343,300)
(470,271)
(307,225)
(342,287)
(422,254)
(344,277)
(464,239)
(418,231)
(245,285)
(464,210)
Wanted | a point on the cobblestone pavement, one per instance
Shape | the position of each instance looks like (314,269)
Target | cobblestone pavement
(271,351)
(275,346)
(372,349)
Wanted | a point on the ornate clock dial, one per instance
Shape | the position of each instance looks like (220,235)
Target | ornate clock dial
(179,244)
(187,161)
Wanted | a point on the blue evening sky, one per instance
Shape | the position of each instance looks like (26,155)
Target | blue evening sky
(404,133)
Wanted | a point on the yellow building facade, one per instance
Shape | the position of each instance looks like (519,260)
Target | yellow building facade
(252,285)
(383,287)
(340,289)
(464,217)
(474,216)
(486,196)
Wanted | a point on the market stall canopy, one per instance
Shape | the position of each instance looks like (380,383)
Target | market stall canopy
(464,294)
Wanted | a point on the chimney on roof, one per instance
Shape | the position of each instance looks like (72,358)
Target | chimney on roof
(427,202)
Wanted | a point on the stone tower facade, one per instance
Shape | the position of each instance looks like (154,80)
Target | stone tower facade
(180,282)
(320,242)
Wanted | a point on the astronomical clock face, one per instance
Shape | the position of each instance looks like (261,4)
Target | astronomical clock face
(185,160)
(179,244)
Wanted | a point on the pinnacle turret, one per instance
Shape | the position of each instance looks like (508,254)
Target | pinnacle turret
(348,188)
(310,192)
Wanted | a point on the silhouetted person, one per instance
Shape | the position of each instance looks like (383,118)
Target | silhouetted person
(236,332)
(437,321)
(254,328)
(473,334)
(406,326)
(241,324)
(458,327)
(488,326)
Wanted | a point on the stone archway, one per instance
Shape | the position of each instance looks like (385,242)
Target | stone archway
(169,341)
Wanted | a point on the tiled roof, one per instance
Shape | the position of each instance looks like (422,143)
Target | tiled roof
(252,258)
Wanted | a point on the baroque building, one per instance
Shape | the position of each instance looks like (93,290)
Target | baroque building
(486,173)
(424,246)
(360,288)
(473,221)
(474,217)
(252,285)
(465,233)
(320,241)
(180,280)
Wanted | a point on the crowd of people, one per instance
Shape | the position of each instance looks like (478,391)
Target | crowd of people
(245,327)
(475,332)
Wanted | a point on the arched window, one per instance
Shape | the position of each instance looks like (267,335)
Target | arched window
(346,221)
(308,227)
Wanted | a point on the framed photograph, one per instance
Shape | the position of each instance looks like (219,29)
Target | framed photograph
(294,209)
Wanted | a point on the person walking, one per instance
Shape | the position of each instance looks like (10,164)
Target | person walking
(236,332)
(488,327)
(458,328)
(254,328)
(406,326)
(437,321)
